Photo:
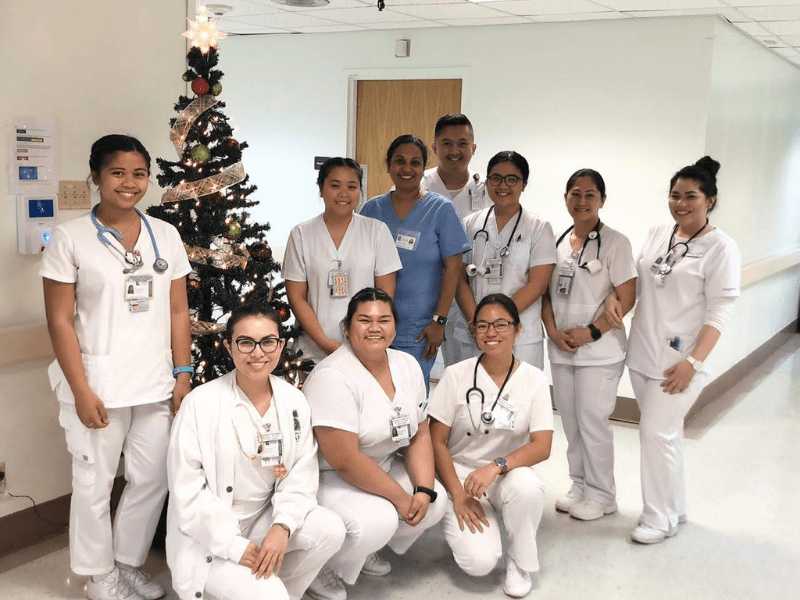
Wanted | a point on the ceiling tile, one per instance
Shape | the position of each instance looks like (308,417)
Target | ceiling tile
(406,26)
(760,2)
(367,16)
(733,15)
(331,28)
(753,29)
(772,41)
(333,5)
(661,4)
(792,40)
(247,7)
(545,7)
(462,10)
(782,27)
(507,20)
(283,19)
(602,16)
(787,51)
(772,13)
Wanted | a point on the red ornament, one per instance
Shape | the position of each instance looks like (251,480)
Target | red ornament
(283,313)
(193,283)
(232,143)
(200,86)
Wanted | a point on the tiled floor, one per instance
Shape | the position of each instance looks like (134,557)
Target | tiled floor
(742,540)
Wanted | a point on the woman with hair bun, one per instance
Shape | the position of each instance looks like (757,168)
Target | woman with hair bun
(689,276)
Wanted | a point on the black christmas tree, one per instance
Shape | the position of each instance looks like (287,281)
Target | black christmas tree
(208,201)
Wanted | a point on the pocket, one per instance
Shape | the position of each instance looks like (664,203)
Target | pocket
(670,355)
(79,438)
(99,375)
(573,315)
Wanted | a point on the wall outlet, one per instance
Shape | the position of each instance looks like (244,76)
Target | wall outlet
(73,195)
(3,480)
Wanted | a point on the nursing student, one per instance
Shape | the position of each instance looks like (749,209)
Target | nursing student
(430,241)
(115,299)
(454,146)
(689,277)
(513,253)
(586,349)
(368,401)
(244,523)
(491,421)
(332,256)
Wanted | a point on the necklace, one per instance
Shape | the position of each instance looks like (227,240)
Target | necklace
(279,471)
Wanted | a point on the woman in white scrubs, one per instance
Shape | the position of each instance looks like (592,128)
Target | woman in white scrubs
(367,402)
(115,298)
(586,346)
(513,253)
(491,421)
(689,274)
(243,517)
(332,256)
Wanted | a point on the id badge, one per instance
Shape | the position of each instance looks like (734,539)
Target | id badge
(401,431)
(504,414)
(476,198)
(494,270)
(272,451)
(566,276)
(139,287)
(338,280)
(407,239)
(137,306)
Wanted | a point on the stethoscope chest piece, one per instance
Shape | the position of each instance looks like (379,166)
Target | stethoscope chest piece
(160,265)
(487,417)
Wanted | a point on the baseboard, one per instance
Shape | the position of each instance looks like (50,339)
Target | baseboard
(25,528)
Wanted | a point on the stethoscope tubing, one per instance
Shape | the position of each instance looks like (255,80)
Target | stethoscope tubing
(159,265)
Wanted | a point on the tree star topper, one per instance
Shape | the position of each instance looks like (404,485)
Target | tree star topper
(203,33)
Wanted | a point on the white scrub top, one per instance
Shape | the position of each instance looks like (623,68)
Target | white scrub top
(586,299)
(534,244)
(471,198)
(527,388)
(711,269)
(127,356)
(344,395)
(367,251)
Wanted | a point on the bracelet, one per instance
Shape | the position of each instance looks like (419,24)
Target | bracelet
(428,491)
(178,370)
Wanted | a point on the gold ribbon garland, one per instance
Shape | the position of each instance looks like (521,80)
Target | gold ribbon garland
(187,118)
(217,258)
(210,185)
(206,328)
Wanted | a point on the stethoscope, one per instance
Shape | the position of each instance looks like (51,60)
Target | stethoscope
(487,416)
(594,234)
(132,257)
(663,266)
(473,269)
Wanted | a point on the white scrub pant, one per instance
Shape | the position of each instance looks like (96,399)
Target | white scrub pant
(585,397)
(371,521)
(142,433)
(661,441)
(309,548)
(519,497)
(533,354)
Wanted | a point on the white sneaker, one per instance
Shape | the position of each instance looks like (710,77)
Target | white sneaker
(518,582)
(327,586)
(141,583)
(644,534)
(589,510)
(566,501)
(376,566)
(111,587)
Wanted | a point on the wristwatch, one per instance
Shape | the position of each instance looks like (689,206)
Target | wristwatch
(501,462)
(439,320)
(696,364)
(596,333)
(429,491)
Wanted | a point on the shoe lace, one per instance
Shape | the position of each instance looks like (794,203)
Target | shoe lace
(139,577)
(329,578)
(371,560)
(120,588)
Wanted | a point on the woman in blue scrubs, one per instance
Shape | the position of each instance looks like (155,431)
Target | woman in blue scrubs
(430,240)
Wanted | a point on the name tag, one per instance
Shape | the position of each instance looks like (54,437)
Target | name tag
(504,414)
(407,239)
(272,450)
(139,287)
(401,431)
(338,283)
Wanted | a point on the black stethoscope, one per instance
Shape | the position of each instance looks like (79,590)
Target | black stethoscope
(132,257)
(487,416)
(663,266)
(473,269)
(594,234)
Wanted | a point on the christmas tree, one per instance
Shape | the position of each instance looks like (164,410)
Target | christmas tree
(208,201)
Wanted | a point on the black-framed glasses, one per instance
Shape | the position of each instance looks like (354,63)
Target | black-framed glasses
(511,180)
(500,326)
(247,345)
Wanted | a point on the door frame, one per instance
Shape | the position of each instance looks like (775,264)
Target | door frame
(354,75)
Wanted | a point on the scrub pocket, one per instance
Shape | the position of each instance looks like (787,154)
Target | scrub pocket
(79,443)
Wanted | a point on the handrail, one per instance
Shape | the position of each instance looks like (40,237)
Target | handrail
(28,342)
(755,272)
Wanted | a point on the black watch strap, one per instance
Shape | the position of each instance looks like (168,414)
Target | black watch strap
(596,333)
(428,491)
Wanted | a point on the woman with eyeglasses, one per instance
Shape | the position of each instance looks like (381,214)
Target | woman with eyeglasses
(332,256)
(368,401)
(244,523)
(513,253)
(689,275)
(430,240)
(491,421)
(586,346)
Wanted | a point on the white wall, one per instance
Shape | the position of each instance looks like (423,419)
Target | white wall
(96,67)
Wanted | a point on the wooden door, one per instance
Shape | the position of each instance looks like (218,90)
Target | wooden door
(387,109)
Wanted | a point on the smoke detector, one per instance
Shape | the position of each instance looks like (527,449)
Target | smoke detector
(218,10)
(303,3)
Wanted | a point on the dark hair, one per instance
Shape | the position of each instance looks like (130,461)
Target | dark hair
(452,120)
(704,172)
(514,158)
(369,294)
(407,139)
(250,310)
(337,161)
(594,175)
(500,299)
(108,145)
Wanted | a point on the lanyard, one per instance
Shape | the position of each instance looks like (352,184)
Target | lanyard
(593,234)
(133,258)
(485,232)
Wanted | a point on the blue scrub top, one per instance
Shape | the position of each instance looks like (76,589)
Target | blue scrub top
(441,235)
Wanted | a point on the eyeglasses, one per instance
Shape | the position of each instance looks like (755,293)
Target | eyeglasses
(511,180)
(267,345)
(500,326)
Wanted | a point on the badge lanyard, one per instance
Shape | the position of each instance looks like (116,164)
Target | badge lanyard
(481,268)
(663,266)
(487,416)
(132,257)
(264,438)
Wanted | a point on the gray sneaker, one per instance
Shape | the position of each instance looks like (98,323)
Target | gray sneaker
(141,583)
(112,587)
